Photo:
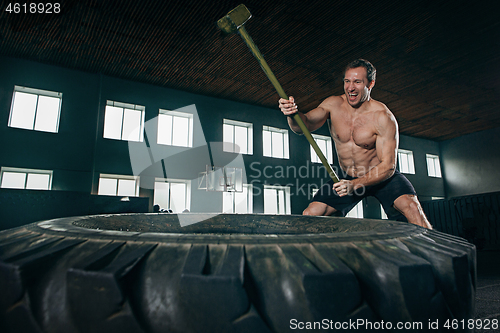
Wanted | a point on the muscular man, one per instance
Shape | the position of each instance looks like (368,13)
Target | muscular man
(366,138)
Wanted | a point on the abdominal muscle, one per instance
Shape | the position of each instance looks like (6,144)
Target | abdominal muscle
(356,161)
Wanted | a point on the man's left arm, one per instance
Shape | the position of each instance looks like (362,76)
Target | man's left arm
(386,146)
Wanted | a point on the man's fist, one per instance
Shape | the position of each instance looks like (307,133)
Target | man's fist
(343,187)
(288,106)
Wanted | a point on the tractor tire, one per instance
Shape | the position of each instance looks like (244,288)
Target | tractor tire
(232,273)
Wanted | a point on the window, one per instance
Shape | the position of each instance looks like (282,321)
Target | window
(124,121)
(175,128)
(174,194)
(313,193)
(237,137)
(405,161)
(276,200)
(118,185)
(433,166)
(325,145)
(35,109)
(382,213)
(238,202)
(28,179)
(275,142)
(357,211)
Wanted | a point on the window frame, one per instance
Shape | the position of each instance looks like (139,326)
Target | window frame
(229,146)
(287,199)
(313,193)
(124,106)
(118,178)
(285,142)
(329,148)
(410,167)
(190,134)
(233,194)
(436,165)
(27,172)
(187,198)
(383,214)
(38,93)
(354,212)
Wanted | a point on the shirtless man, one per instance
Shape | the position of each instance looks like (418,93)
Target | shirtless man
(366,138)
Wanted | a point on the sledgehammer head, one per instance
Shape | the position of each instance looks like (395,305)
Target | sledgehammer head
(234,19)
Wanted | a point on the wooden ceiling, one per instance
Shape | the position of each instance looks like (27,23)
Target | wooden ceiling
(438,62)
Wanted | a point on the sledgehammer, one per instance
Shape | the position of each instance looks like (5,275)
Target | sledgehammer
(234,21)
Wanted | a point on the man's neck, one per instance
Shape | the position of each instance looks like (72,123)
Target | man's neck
(361,107)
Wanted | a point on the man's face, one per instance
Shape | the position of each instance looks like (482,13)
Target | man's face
(356,86)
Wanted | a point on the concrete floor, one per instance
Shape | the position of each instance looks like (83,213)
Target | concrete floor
(488,288)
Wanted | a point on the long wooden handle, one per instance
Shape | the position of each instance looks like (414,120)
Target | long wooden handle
(269,73)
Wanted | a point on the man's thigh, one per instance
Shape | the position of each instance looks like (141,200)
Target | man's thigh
(398,186)
(317,208)
(332,202)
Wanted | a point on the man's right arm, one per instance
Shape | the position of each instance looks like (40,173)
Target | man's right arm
(313,119)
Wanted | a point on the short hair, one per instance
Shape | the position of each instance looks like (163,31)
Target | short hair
(370,69)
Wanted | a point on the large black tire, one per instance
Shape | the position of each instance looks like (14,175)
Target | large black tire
(231,273)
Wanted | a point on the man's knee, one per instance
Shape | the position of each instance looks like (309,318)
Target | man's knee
(312,211)
(318,209)
(315,209)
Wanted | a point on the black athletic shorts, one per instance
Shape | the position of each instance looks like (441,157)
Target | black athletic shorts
(386,192)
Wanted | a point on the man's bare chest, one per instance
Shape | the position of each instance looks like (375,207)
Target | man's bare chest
(360,131)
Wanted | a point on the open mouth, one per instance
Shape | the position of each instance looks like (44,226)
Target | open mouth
(352,96)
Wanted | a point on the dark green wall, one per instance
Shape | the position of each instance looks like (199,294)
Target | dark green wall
(426,187)
(70,152)
(471,163)
(79,153)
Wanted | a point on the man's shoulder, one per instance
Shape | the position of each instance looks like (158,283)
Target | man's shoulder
(383,117)
(378,106)
(332,102)
(381,110)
